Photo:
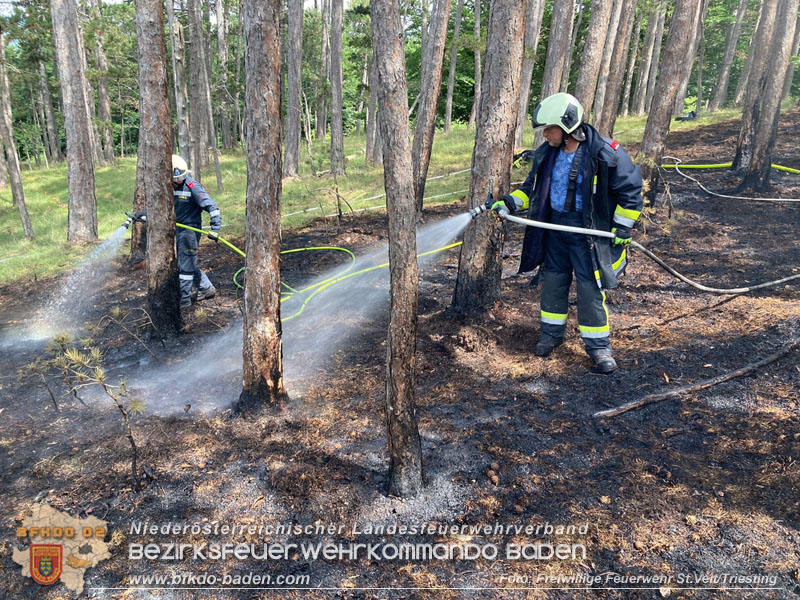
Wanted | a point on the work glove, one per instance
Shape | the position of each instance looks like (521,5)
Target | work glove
(140,216)
(507,203)
(213,236)
(623,236)
(522,158)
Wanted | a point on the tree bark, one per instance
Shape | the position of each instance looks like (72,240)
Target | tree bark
(291,158)
(787,88)
(479,268)
(7,132)
(573,40)
(198,77)
(432,68)
(610,104)
(656,63)
(744,76)
(557,46)
(179,81)
(53,137)
(321,119)
(82,216)
(163,293)
(592,55)
(596,105)
(732,37)
(451,76)
(701,57)
(533,30)
(634,55)
(690,57)
(405,449)
(337,102)
(262,348)
(222,55)
(648,49)
(106,139)
(372,114)
(666,90)
(767,115)
(755,85)
(478,75)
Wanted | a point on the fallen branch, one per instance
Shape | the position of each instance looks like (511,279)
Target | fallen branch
(677,393)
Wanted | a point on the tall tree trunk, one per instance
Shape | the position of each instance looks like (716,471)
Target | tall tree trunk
(666,90)
(755,85)
(557,47)
(768,113)
(198,111)
(291,158)
(573,40)
(479,267)
(364,86)
(94,132)
(451,77)
(787,88)
(608,52)
(634,55)
(610,104)
(648,49)
(179,81)
(7,132)
(82,216)
(689,61)
(163,293)
(337,102)
(701,57)
(42,121)
(599,24)
(222,55)
(106,139)
(732,37)
(752,52)
(53,136)
(138,251)
(430,91)
(533,30)
(236,104)
(372,114)
(262,348)
(321,119)
(402,432)
(3,167)
(655,65)
(478,75)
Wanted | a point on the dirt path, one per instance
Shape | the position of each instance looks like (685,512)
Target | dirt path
(708,485)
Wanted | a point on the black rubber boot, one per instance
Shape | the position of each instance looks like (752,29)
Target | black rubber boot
(603,361)
(546,345)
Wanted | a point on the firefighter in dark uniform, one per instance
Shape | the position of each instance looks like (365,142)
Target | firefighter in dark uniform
(190,202)
(579,179)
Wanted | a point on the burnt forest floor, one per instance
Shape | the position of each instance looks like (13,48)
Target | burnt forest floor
(708,484)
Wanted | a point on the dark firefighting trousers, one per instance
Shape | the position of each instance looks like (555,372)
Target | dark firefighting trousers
(189,273)
(565,253)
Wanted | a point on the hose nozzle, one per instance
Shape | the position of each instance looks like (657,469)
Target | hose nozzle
(474,212)
(128,221)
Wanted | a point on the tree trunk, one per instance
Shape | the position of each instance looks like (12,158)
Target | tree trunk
(262,348)
(787,88)
(337,124)
(222,55)
(179,81)
(610,104)
(533,30)
(364,86)
(768,112)
(451,77)
(721,87)
(82,216)
(163,293)
(53,136)
(478,75)
(605,64)
(666,90)
(372,114)
(557,46)
(592,55)
(701,55)
(138,251)
(744,76)
(689,61)
(573,40)
(3,167)
(648,49)
(479,268)
(41,121)
(402,432)
(198,111)
(321,119)
(291,157)
(656,63)
(634,55)
(239,135)
(755,85)
(106,140)
(430,91)
(7,133)
(94,132)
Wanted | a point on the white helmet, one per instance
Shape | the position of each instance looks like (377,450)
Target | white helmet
(562,110)
(179,169)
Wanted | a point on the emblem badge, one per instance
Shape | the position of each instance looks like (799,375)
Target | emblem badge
(46,562)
